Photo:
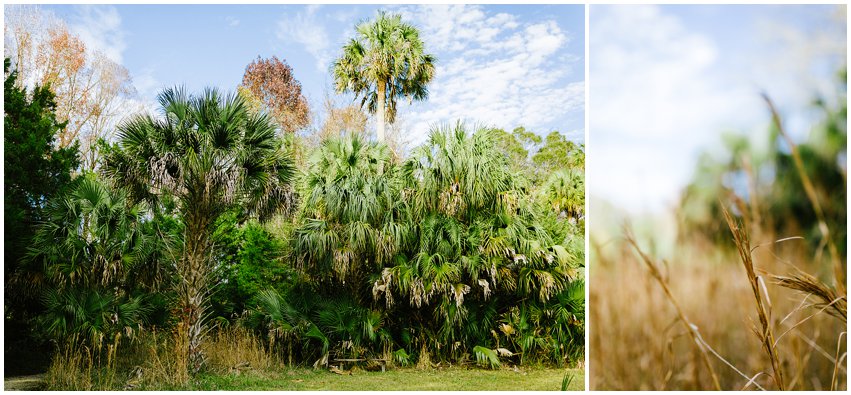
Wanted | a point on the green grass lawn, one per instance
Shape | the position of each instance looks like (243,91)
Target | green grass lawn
(450,379)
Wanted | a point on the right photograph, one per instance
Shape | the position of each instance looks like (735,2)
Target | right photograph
(717,197)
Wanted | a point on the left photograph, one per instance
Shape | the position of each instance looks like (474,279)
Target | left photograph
(288,197)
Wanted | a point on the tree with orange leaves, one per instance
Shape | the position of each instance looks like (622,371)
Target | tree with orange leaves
(91,89)
(270,84)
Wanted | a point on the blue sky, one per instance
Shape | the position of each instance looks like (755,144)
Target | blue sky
(667,81)
(500,65)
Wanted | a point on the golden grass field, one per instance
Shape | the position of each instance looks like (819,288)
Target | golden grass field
(638,341)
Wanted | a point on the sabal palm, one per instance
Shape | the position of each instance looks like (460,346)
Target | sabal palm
(212,155)
(385,62)
(449,240)
(464,183)
(86,261)
(564,192)
(91,238)
(90,315)
(478,236)
(291,324)
(460,174)
(349,214)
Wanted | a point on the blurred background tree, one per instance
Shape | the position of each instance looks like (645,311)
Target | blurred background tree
(768,181)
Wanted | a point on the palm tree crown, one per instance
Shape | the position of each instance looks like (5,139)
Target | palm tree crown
(386,61)
(206,150)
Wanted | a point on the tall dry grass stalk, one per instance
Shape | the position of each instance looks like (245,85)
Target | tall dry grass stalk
(810,191)
(760,293)
(691,329)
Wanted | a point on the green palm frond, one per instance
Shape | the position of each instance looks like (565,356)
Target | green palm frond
(486,356)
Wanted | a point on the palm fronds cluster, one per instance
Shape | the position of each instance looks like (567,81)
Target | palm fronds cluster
(445,252)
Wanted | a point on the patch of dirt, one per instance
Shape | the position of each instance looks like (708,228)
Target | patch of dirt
(24,383)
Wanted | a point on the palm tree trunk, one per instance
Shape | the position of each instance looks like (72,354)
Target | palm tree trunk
(382,90)
(194,296)
(194,272)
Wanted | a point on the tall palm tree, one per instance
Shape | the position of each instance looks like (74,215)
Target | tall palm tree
(210,155)
(386,61)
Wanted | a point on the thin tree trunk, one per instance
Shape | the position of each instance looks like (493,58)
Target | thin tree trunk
(382,90)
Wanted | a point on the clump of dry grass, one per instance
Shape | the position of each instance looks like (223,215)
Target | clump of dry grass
(80,367)
(155,359)
(633,344)
(424,360)
(691,329)
(638,340)
(71,369)
(236,350)
(163,359)
(231,350)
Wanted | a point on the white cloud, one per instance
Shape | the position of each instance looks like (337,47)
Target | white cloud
(493,69)
(661,93)
(147,85)
(305,29)
(458,27)
(344,17)
(655,100)
(232,21)
(100,28)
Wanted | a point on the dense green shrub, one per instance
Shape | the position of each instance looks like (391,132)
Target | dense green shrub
(433,255)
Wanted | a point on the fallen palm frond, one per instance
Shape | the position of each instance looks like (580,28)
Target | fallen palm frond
(486,356)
